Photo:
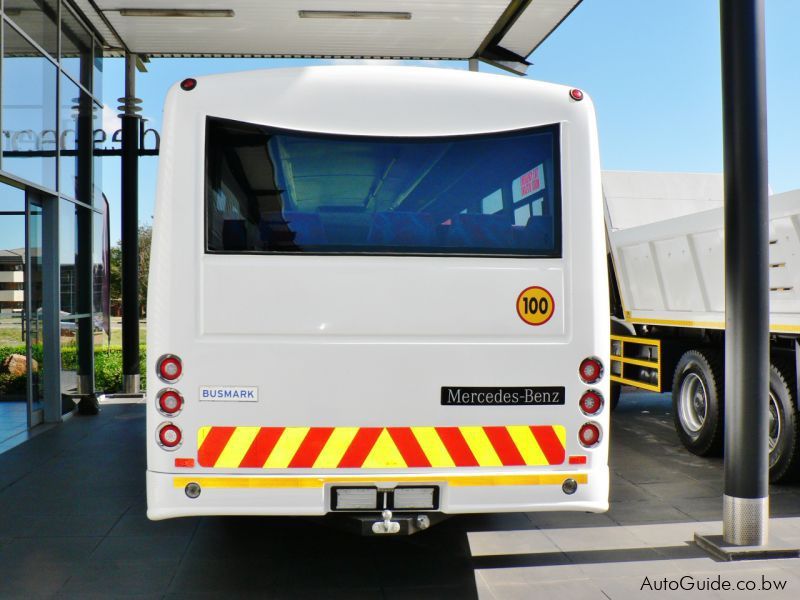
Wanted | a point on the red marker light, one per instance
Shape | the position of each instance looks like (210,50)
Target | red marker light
(591,402)
(590,370)
(589,435)
(169,368)
(169,436)
(170,402)
(187,85)
(576,94)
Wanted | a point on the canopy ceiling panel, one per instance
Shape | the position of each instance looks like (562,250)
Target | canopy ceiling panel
(445,28)
(499,31)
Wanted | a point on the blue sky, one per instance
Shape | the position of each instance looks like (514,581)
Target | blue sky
(651,67)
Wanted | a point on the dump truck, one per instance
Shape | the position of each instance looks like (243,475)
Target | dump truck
(667,290)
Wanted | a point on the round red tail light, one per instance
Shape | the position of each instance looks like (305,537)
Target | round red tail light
(589,435)
(576,94)
(188,84)
(590,370)
(169,368)
(170,402)
(169,436)
(591,402)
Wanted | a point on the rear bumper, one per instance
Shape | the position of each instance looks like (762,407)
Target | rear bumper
(460,491)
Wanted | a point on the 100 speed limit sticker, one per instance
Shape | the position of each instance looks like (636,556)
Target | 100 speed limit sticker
(535,305)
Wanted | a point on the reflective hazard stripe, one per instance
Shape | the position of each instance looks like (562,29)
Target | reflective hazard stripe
(287,446)
(507,450)
(334,449)
(433,447)
(211,443)
(409,447)
(472,480)
(379,447)
(261,448)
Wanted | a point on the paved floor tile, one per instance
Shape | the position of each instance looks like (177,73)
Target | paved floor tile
(684,489)
(465,592)
(562,519)
(530,541)
(593,538)
(135,522)
(576,589)
(118,578)
(645,511)
(17,582)
(56,526)
(35,552)
(145,548)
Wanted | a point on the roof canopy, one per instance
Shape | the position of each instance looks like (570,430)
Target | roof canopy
(498,31)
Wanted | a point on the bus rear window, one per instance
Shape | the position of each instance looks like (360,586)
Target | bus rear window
(277,191)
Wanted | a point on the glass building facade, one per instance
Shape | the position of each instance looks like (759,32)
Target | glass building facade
(53,214)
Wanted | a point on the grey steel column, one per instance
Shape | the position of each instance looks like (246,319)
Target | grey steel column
(746,499)
(84,282)
(130,229)
(51,306)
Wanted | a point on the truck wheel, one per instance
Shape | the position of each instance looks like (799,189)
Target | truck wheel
(698,390)
(616,390)
(784,424)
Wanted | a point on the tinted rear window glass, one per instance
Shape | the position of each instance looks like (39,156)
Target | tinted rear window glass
(279,191)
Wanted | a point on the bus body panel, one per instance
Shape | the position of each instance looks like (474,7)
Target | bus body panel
(431,297)
(166,501)
(364,341)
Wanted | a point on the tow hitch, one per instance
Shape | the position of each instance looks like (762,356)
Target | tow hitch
(385,523)
(403,524)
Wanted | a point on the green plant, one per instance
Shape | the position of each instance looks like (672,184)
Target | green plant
(6,351)
(11,385)
(107,367)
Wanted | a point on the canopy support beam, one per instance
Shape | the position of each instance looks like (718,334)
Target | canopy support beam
(130,229)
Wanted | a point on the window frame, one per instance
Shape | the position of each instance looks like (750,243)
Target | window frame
(553,128)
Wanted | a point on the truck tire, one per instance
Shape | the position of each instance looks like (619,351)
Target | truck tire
(784,423)
(616,390)
(698,392)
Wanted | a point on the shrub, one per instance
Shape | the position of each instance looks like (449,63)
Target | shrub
(11,385)
(107,367)
(6,351)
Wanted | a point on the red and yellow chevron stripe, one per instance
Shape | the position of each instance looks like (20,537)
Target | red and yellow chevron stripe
(380,447)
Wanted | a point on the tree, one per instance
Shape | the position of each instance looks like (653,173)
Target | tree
(115,287)
(115,278)
(145,237)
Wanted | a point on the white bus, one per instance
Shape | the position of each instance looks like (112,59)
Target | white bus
(379,291)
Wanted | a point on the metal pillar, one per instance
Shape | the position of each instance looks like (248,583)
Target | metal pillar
(746,499)
(51,306)
(84,282)
(473,64)
(130,229)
